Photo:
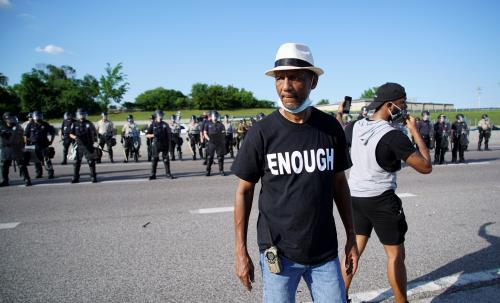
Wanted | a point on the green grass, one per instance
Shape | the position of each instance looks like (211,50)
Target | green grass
(471,116)
(186,114)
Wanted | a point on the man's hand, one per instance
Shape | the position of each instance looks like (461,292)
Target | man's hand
(411,123)
(245,270)
(351,255)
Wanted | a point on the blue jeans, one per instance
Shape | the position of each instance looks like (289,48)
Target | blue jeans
(323,280)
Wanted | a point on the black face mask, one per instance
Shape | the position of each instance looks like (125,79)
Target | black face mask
(400,116)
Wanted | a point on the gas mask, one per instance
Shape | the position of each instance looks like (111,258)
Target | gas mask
(400,116)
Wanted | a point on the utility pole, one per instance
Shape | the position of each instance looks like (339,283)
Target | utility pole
(479,90)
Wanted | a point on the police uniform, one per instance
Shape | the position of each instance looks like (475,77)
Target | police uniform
(441,133)
(194,138)
(86,135)
(176,140)
(160,144)
(105,133)
(65,138)
(484,128)
(12,149)
(130,133)
(460,140)
(149,141)
(229,138)
(36,135)
(204,143)
(217,134)
(426,130)
(241,133)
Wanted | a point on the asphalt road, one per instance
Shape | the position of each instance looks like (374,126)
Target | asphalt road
(127,239)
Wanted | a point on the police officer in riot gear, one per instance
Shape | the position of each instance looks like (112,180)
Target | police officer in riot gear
(85,135)
(215,135)
(12,149)
(459,136)
(149,141)
(176,143)
(64,132)
(36,135)
(106,134)
(426,129)
(484,128)
(229,135)
(207,118)
(131,139)
(441,137)
(194,136)
(161,134)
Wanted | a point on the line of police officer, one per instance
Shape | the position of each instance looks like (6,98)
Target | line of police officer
(442,133)
(208,135)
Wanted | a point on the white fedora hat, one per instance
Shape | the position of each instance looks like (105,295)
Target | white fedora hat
(294,56)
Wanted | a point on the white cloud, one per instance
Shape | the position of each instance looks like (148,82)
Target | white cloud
(4,3)
(50,49)
(25,15)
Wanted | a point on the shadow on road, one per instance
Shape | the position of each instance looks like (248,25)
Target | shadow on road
(484,259)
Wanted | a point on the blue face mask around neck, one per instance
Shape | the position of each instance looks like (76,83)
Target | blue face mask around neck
(307,102)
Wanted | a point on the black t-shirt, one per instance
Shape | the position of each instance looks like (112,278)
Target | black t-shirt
(392,148)
(296,164)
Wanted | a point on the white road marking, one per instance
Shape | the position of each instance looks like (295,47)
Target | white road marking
(418,288)
(212,210)
(405,195)
(9,225)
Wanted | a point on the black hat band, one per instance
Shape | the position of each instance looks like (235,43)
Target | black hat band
(292,62)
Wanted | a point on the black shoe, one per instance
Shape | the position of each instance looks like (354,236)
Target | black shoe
(98,161)
(487,149)
(194,157)
(170,176)
(93,179)
(111,160)
(27,182)
(222,173)
(125,161)
(51,176)
(38,176)
(64,163)
(4,183)
(207,174)
(75,180)
(205,162)
(152,177)
(462,161)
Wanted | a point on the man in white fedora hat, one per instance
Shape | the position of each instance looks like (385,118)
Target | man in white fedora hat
(299,154)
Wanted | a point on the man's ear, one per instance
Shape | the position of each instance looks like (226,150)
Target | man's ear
(314,81)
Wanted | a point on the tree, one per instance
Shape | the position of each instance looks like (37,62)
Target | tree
(9,101)
(323,102)
(205,96)
(369,93)
(113,85)
(54,90)
(161,98)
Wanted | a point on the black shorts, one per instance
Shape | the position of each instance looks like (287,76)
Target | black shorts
(383,213)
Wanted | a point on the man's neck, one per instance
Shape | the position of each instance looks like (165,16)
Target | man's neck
(380,115)
(299,118)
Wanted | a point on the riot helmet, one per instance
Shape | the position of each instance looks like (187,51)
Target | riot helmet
(67,115)
(484,116)
(159,114)
(130,118)
(215,116)
(425,115)
(260,116)
(193,119)
(9,118)
(81,114)
(460,117)
(37,116)
(152,117)
(173,118)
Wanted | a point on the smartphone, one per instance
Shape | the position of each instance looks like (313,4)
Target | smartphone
(347,104)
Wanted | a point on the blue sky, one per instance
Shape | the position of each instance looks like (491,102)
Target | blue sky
(441,51)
